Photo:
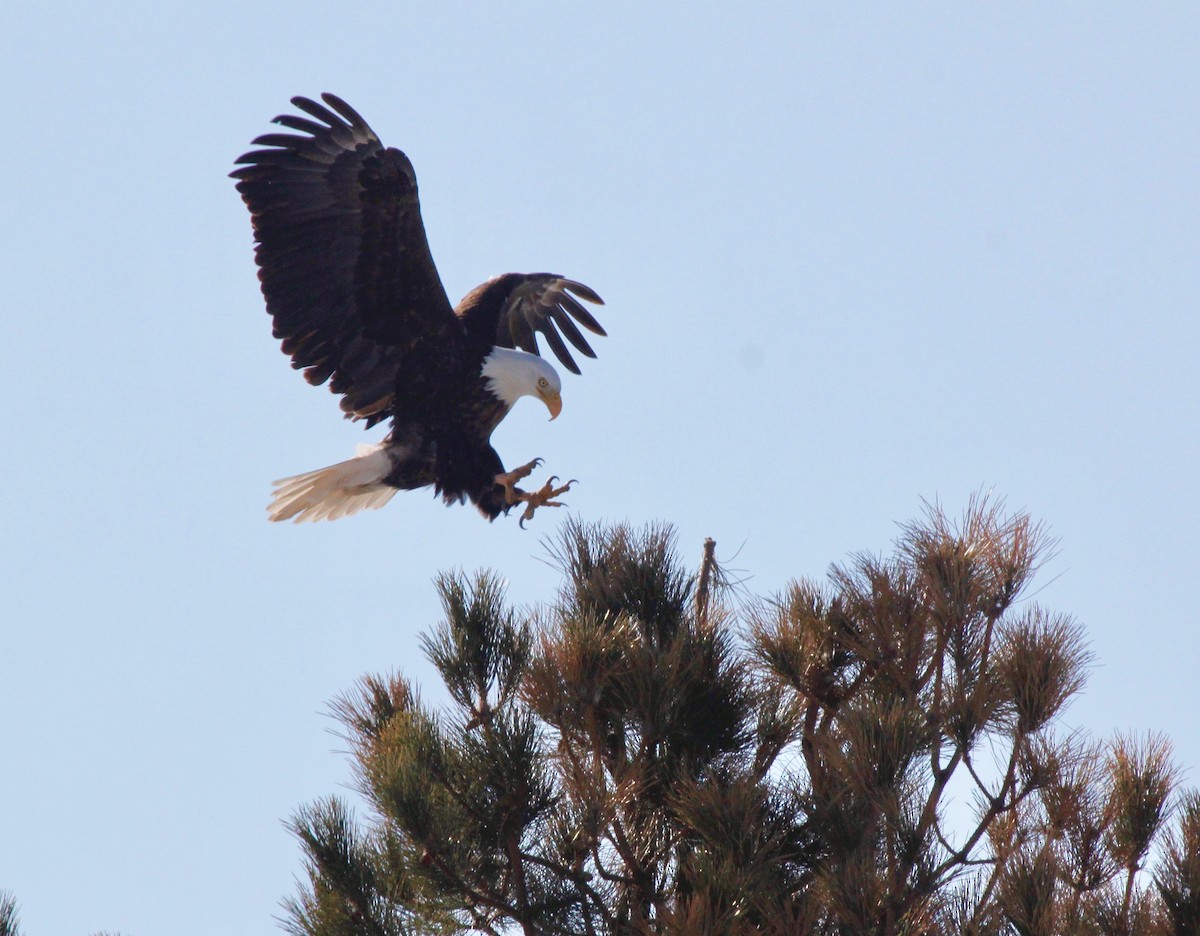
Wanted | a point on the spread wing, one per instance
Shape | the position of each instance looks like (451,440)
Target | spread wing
(544,303)
(343,259)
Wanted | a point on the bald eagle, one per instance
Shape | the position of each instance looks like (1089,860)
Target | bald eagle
(355,297)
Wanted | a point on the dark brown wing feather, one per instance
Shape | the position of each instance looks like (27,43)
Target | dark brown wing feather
(511,310)
(343,258)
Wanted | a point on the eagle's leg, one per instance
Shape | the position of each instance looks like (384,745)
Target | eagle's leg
(543,497)
(508,480)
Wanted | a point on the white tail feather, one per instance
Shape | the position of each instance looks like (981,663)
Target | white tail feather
(336,491)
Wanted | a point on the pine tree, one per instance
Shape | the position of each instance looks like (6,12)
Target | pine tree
(647,755)
(10,922)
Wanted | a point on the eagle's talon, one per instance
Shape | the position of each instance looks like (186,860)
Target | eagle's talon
(543,497)
(508,480)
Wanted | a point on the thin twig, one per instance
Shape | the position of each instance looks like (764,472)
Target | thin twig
(702,588)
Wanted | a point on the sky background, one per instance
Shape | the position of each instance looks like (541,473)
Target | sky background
(854,256)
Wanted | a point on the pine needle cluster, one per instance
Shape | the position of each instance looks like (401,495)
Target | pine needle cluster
(10,921)
(876,754)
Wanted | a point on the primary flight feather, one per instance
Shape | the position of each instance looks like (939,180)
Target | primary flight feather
(356,299)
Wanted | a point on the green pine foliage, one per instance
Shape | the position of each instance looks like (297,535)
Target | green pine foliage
(646,754)
(10,922)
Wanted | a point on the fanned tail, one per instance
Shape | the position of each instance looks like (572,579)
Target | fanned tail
(336,491)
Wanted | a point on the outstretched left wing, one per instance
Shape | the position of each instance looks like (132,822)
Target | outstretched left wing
(343,258)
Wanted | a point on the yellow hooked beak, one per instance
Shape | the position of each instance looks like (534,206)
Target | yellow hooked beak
(553,403)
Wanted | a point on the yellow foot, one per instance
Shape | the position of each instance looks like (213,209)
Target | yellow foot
(508,480)
(544,497)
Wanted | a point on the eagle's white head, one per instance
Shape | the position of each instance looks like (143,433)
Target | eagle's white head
(512,374)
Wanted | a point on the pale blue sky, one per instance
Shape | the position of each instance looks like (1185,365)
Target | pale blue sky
(855,255)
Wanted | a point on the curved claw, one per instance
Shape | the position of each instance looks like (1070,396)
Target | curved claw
(543,497)
(509,479)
